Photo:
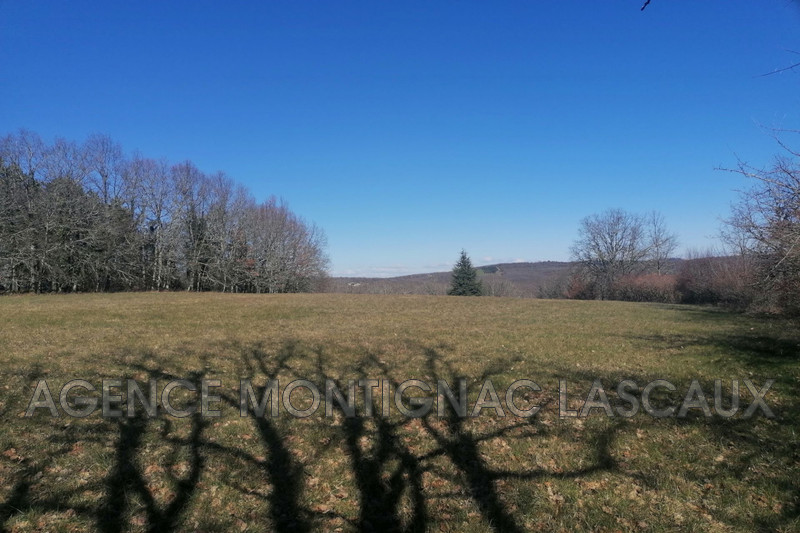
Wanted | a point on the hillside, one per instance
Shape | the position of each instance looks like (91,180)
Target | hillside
(503,279)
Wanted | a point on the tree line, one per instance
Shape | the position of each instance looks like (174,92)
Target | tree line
(621,255)
(85,217)
(755,267)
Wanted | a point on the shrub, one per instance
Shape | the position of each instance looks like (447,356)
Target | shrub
(647,288)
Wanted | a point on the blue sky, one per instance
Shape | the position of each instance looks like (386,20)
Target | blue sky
(410,130)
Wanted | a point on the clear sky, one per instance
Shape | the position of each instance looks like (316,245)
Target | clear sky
(410,130)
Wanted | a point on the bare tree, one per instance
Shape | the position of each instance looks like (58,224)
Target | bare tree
(660,241)
(64,159)
(104,163)
(193,201)
(25,150)
(610,245)
(287,254)
(19,193)
(765,224)
(149,194)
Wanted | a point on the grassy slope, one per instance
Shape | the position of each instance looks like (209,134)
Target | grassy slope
(322,474)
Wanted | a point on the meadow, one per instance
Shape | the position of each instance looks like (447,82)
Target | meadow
(395,473)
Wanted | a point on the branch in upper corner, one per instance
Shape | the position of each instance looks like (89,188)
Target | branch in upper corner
(790,67)
(647,3)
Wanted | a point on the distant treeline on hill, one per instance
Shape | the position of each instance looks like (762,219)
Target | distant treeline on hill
(704,278)
(84,217)
(507,279)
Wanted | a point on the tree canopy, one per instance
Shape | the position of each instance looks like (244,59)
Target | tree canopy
(82,217)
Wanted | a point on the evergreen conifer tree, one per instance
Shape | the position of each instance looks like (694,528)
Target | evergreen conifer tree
(465,280)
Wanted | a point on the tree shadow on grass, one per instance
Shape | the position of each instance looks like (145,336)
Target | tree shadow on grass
(462,448)
(743,445)
(126,478)
(380,486)
(68,437)
(282,471)
(27,472)
(389,474)
(386,468)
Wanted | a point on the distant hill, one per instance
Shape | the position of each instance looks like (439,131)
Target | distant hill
(543,279)
(503,279)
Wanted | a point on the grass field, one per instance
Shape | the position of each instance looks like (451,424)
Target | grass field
(395,473)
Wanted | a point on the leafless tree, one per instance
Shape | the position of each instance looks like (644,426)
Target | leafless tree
(150,196)
(610,245)
(64,159)
(287,254)
(104,162)
(765,224)
(616,244)
(661,242)
(25,150)
(83,217)
(19,194)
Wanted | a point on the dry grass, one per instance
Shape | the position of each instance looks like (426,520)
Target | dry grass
(395,473)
